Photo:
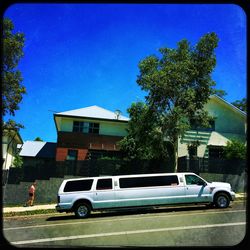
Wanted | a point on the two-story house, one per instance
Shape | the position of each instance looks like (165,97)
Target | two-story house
(228,123)
(88,133)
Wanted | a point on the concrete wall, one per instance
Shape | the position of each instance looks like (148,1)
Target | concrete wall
(46,192)
(238,182)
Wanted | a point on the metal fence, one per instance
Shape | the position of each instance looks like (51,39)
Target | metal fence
(87,168)
(211,165)
(101,167)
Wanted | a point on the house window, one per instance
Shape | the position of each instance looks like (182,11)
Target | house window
(93,128)
(86,127)
(72,155)
(78,126)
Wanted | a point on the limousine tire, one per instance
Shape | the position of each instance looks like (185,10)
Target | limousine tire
(82,210)
(221,200)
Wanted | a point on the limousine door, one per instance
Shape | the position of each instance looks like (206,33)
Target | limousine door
(196,189)
(104,195)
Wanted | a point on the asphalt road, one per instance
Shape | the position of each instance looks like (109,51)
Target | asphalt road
(168,226)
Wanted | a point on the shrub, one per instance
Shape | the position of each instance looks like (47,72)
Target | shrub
(235,149)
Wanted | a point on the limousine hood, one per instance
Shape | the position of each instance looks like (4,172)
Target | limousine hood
(221,184)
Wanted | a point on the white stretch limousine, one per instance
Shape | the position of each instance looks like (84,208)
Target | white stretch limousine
(97,193)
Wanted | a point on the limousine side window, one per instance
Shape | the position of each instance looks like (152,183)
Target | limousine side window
(80,185)
(193,180)
(134,182)
(103,184)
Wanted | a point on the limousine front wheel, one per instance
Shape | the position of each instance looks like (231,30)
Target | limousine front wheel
(221,200)
(82,210)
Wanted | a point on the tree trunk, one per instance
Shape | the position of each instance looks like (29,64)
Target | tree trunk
(175,145)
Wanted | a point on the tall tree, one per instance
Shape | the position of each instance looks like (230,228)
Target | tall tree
(12,88)
(178,83)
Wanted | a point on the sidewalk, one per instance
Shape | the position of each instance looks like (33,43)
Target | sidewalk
(33,208)
(52,206)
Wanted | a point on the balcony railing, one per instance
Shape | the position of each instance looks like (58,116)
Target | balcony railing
(104,146)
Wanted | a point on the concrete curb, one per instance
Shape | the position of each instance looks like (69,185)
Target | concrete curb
(239,196)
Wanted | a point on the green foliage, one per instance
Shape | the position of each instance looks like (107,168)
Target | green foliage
(219,92)
(12,125)
(38,139)
(178,84)
(241,104)
(31,212)
(12,88)
(145,139)
(18,161)
(107,158)
(192,148)
(235,149)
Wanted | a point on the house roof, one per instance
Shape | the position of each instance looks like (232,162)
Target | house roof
(217,139)
(11,133)
(38,149)
(94,112)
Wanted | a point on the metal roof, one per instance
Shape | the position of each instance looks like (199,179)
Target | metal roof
(95,112)
(38,149)
(217,139)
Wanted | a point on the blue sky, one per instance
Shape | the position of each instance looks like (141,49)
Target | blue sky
(78,55)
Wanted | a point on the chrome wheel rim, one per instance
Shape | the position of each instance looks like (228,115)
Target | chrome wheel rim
(82,211)
(222,201)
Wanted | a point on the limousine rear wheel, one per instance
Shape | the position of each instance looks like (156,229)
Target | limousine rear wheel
(82,210)
(221,200)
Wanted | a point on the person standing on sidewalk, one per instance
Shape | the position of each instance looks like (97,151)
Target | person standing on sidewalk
(32,190)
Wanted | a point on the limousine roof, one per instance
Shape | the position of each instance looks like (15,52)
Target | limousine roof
(127,176)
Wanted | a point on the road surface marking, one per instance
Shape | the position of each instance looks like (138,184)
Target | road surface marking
(75,237)
(121,219)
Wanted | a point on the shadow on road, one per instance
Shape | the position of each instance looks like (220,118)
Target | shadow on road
(134,211)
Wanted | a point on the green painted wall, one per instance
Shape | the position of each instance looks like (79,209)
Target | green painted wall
(227,120)
(113,128)
(66,125)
